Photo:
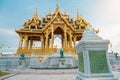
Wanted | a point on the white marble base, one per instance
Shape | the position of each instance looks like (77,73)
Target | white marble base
(101,76)
(21,64)
(53,61)
(62,63)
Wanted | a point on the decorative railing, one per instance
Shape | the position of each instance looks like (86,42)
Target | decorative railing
(69,50)
(57,22)
(36,50)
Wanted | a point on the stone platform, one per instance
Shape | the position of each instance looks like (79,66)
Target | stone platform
(54,61)
(11,62)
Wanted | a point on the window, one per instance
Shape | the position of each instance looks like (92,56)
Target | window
(82,27)
(32,27)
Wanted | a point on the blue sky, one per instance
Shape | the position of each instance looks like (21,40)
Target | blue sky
(102,14)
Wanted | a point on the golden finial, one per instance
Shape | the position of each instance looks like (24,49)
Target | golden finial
(90,25)
(36,12)
(57,6)
(78,16)
(77,12)
(64,11)
(97,30)
(49,11)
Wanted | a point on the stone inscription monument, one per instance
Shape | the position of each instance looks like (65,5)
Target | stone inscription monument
(93,57)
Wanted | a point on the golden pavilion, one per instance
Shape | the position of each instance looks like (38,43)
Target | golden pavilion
(44,30)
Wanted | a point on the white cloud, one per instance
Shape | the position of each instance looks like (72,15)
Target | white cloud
(107,14)
(10,32)
(8,37)
(111,32)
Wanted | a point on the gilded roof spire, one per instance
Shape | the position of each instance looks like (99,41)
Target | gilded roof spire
(36,12)
(49,11)
(78,16)
(57,6)
(65,11)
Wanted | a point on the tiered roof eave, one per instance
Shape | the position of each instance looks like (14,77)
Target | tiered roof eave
(36,25)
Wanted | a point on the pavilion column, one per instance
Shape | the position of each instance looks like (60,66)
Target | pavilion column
(65,38)
(70,38)
(62,41)
(68,43)
(26,42)
(74,41)
(20,42)
(52,36)
(36,27)
(31,43)
(46,40)
(42,42)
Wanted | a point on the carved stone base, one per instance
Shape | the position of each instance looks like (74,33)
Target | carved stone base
(62,63)
(101,76)
(21,64)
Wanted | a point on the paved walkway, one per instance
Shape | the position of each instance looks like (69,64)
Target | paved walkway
(49,75)
(67,74)
(116,74)
(42,77)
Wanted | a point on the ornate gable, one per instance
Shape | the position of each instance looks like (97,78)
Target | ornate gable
(58,19)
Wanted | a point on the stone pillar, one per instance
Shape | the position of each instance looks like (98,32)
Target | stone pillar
(93,57)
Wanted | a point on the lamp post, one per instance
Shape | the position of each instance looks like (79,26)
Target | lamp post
(1,48)
(9,49)
(111,47)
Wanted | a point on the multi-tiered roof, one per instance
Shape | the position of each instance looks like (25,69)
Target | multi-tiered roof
(40,25)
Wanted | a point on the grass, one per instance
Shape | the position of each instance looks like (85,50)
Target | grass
(3,73)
